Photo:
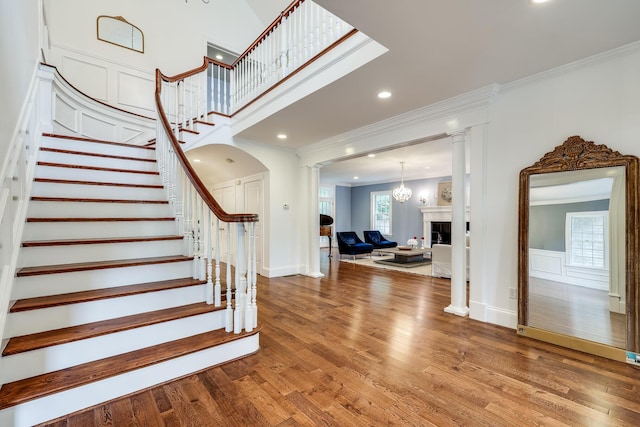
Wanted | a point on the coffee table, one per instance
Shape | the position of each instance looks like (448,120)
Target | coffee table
(406,258)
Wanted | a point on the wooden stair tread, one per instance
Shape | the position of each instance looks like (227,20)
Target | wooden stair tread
(97,219)
(21,391)
(98,265)
(99,294)
(92,154)
(69,334)
(93,140)
(64,165)
(95,241)
(80,199)
(106,184)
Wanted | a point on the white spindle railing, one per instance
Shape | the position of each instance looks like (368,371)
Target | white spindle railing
(218,240)
(302,33)
(195,208)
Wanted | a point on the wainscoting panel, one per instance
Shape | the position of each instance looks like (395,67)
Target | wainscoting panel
(89,78)
(136,91)
(93,127)
(551,265)
(65,114)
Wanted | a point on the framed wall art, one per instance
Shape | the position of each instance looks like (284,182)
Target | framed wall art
(444,193)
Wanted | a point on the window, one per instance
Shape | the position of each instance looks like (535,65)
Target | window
(381,212)
(325,202)
(587,234)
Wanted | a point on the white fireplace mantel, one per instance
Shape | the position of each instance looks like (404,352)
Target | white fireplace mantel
(436,214)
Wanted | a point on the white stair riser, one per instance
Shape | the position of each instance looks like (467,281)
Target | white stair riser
(32,321)
(54,406)
(81,191)
(55,172)
(96,161)
(36,231)
(62,283)
(49,209)
(71,254)
(37,362)
(91,147)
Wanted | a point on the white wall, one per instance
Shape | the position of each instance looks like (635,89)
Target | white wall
(175,40)
(598,100)
(19,55)
(283,253)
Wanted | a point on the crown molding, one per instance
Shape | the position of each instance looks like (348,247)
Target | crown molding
(448,111)
(599,58)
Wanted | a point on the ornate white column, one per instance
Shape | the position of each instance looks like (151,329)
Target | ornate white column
(458,304)
(313,230)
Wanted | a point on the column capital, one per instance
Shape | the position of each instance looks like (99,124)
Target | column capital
(458,134)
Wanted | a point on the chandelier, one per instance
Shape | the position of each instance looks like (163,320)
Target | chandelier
(402,194)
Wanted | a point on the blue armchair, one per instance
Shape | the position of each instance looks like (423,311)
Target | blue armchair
(350,244)
(378,240)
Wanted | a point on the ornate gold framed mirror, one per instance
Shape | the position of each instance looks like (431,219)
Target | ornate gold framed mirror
(118,31)
(578,250)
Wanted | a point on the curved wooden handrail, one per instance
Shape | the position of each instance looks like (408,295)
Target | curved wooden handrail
(186,166)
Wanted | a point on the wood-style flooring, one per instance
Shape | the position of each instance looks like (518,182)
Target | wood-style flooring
(371,347)
(576,311)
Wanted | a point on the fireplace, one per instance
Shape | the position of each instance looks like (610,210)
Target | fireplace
(436,222)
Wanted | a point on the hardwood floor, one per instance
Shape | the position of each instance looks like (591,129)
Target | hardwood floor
(372,347)
(575,311)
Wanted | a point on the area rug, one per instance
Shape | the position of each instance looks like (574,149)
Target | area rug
(424,270)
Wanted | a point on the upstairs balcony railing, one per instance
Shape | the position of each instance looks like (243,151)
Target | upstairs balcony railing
(215,238)
(300,35)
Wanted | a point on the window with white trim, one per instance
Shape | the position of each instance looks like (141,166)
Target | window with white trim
(587,237)
(381,212)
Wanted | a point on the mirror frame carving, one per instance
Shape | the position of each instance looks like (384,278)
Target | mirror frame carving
(577,154)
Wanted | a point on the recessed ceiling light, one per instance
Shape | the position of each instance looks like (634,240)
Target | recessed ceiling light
(355,177)
(539,1)
(219,57)
(371,155)
(196,160)
(384,94)
(427,167)
(282,136)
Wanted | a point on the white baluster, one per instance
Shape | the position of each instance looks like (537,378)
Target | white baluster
(209,286)
(283,47)
(196,239)
(248,313)
(202,265)
(240,280)
(254,278)
(217,290)
(229,311)
(219,89)
(188,228)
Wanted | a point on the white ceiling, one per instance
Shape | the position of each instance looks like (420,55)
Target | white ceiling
(439,49)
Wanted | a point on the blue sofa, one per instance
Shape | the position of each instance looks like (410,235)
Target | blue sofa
(350,244)
(378,240)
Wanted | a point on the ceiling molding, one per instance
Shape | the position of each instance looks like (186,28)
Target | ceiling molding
(462,111)
(599,58)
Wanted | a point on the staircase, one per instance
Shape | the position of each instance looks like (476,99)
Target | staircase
(105,302)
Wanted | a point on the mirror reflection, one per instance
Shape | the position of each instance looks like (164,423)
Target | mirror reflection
(578,250)
(576,254)
(116,30)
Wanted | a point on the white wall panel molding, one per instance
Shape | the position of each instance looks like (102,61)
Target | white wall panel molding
(75,114)
(113,82)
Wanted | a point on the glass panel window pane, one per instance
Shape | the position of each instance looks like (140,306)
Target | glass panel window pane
(381,212)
